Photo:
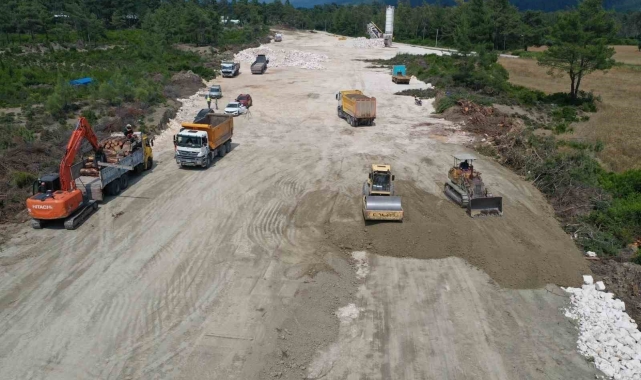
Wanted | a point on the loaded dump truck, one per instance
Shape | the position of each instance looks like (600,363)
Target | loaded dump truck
(198,143)
(399,75)
(260,64)
(229,69)
(356,108)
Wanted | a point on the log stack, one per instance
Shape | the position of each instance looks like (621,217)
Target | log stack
(114,148)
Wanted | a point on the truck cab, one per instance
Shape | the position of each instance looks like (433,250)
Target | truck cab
(192,148)
(229,69)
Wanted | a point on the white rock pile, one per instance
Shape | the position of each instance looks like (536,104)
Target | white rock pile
(607,334)
(367,43)
(283,58)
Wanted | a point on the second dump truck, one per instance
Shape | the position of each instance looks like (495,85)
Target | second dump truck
(399,75)
(260,64)
(356,108)
(199,142)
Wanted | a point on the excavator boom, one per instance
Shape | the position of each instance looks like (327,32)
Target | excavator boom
(83,131)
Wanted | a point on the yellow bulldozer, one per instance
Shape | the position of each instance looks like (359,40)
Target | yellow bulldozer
(465,187)
(379,199)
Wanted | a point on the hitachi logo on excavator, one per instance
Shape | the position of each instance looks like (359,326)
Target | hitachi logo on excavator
(43,207)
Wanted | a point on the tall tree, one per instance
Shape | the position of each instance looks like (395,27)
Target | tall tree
(580,47)
(534,29)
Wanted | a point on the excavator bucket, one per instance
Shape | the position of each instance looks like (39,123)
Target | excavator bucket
(485,206)
(382,208)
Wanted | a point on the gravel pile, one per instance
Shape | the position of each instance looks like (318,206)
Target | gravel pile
(284,58)
(367,43)
(607,334)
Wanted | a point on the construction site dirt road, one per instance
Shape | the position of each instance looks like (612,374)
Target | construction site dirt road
(262,267)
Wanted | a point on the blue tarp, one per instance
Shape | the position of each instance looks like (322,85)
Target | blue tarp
(399,70)
(81,81)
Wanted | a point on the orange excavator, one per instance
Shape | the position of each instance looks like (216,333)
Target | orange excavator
(55,196)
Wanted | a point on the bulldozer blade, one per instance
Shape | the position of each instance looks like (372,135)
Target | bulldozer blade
(485,206)
(382,208)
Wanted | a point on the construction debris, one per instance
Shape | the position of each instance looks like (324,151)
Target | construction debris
(606,332)
(367,43)
(284,58)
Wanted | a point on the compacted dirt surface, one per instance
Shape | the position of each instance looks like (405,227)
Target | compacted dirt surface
(262,267)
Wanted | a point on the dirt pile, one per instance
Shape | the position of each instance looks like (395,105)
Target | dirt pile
(514,256)
(367,43)
(622,279)
(484,120)
(283,58)
(183,84)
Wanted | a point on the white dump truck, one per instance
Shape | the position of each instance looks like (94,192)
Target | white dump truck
(199,142)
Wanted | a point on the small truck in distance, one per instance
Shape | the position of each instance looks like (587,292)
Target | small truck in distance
(399,75)
(229,69)
(198,143)
(260,64)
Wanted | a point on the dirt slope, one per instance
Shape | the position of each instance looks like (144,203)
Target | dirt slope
(229,273)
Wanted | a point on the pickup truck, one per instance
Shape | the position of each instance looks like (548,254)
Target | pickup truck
(229,69)
(260,64)
(198,143)
(113,177)
(356,108)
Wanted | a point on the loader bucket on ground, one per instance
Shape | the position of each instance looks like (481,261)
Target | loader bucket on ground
(485,206)
(382,208)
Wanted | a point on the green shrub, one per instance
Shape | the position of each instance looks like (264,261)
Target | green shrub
(443,104)
(90,115)
(23,179)
(561,128)
(566,113)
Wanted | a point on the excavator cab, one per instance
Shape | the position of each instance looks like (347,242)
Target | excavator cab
(47,183)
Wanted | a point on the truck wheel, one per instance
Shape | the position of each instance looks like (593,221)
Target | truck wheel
(150,163)
(138,169)
(228,146)
(115,188)
(207,162)
(124,181)
(222,151)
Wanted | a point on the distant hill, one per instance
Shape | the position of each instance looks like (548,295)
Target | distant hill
(543,5)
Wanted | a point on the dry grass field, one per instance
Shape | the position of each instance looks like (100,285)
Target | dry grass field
(624,54)
(618,121)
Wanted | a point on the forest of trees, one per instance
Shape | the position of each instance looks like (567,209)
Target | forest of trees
(498,24)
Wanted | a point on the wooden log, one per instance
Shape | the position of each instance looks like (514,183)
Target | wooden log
(89,172)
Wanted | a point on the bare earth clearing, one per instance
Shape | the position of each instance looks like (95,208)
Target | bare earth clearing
(245,270)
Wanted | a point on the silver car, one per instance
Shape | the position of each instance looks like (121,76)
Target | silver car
(215,92)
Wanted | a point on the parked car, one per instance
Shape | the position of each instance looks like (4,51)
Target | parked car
(215,92)
(235,109)
(245,99)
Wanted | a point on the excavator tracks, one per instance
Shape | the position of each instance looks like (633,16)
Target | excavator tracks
(72,222)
